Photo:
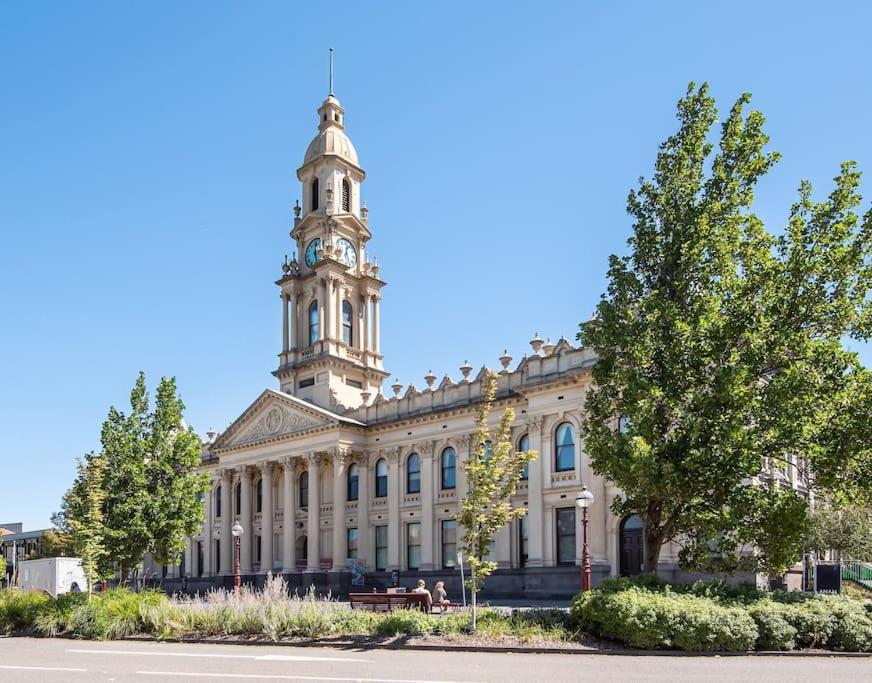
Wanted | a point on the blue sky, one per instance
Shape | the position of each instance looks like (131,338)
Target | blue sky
(147,174)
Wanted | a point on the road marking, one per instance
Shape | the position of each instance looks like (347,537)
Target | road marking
(282,677)
(262,658)
(41,668)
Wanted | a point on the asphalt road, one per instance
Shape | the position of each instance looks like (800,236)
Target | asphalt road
(30,659)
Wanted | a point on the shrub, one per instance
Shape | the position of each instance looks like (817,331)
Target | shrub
(406,622)
(654,620)
(19,609)
(773,629)
(57,616)
(852,632)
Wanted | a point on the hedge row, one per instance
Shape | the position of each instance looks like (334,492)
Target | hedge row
(710,616)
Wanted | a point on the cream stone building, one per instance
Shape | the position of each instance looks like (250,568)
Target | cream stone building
(325,468)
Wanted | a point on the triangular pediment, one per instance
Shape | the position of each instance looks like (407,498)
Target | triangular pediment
(274,415)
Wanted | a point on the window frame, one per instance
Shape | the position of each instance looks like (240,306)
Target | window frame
(381,566)
(525,472)
(559,536)
(443,469)
(352,482)
(352,546)
(347,327)
(346,195)
(258,495)
(381,492)
(314,322)
(410,472)
(559,454)
(452,560)
(410,546)
(316,191)
(303,490)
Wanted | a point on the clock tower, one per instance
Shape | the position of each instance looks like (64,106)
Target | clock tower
(331,354)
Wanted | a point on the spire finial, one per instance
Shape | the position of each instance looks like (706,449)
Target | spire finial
(330,94)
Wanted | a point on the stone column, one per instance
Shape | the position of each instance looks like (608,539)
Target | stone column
(535,504)
(366,304)
(208,501)
(266,519)
(376,347)
(285,329)
(394,493)
(428,492)
(339,494)
(289,524)
(313,536)
(226,512)
(365,546)
(245,520)
(189,557)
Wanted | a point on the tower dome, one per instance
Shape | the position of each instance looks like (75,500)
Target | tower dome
(331,139)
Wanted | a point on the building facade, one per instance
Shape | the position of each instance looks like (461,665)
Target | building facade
(326,469)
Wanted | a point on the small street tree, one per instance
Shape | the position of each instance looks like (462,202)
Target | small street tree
(175,488)
(845,529)
(492,474)
(720,344)
(86,518)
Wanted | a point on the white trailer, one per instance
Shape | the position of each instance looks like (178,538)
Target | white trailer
(52,575)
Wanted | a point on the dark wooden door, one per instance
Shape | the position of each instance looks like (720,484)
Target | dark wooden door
(632,556)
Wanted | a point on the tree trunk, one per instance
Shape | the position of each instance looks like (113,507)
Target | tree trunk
(653,544)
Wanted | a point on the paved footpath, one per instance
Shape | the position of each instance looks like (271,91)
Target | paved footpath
(34,659)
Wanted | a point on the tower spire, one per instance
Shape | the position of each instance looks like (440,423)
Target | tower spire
(330,94)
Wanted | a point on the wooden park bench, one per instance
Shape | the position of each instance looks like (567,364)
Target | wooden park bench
(388,602)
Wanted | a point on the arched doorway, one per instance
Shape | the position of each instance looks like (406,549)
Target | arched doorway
(632,554)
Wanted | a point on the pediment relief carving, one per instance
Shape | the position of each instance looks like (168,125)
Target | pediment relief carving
(276,420)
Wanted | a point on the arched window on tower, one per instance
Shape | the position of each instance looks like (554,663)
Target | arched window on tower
(313,322)
(315,193)
(347,325)
(346,195)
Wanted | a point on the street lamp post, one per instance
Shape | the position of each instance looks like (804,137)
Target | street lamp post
(237,532)
(584,501)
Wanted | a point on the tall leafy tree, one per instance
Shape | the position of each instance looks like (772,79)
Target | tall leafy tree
(720,344)
(86,518)
(492,474)
(175,488)
(125,446)
(846,529)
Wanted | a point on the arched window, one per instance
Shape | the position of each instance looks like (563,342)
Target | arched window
(353,478)
(346,323)
(413,474)
(523,447)
(237,494)
(313,322)
(381,479)
(304,490)
(218,500)
(315,194)
(346,195)
(258,496)
(449,468)
(565,456)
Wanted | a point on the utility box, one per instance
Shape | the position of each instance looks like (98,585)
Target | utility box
(52,575)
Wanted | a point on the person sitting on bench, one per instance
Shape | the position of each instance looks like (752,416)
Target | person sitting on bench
(422,588)
(440,597)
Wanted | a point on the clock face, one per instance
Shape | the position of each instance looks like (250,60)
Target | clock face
(347,254)
(311,252)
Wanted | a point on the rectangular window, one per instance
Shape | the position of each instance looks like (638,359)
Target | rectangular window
(217,562)
(307,382)
(523,540)
(200,558)
(352,543)
(381,548)
(278,549)
(413,545)
(354,383)
(257,548)
(449,543)
(565,536)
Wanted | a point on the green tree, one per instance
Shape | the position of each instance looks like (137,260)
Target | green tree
(720,344)
(2,567)
(175,488)
(125,446)
(492,474)
(87,522)
(846,529)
